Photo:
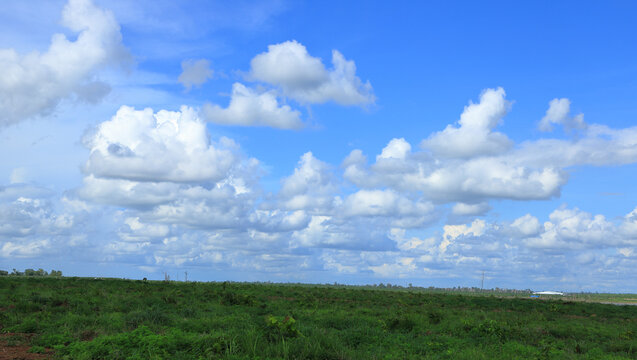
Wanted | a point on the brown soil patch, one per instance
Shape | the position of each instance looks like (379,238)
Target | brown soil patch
(10,349)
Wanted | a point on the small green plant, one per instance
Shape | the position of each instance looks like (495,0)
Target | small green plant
(232,298)
(37,349)
(278,328)
(434,317)
(400,323)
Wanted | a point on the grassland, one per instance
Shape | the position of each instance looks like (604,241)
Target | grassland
(79,318)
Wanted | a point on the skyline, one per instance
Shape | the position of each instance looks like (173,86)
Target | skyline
(355,143)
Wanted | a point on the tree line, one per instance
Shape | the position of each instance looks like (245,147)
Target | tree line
(31,272)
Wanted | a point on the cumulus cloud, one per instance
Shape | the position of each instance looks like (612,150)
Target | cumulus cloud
(573,228)
(32,224)
(472,164)
(452,232)
(249,108)
(525,226)
(395,149)
(310,187)
(566,229)
(558,113)
(599,145)
(34,83)
(389,204)
(474,136)
(304,78)
(469,180)
(194,73)
(403,267)
(172,146)
(163,167)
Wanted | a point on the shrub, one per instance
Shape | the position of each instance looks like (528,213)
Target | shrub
(281,328)
(434,317)
(400,323)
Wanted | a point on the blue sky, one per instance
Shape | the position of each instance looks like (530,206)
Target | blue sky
(357,142)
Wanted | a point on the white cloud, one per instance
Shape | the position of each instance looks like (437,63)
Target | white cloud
(25,249)
(558,113)
(34,223)
(33,84)
(470,209)
(452,172)
(474,136)
(566,230)
(598,145)
(411,244)
(304,78)
(452,232)
(403,267)
(395,149)
(279,221)
(572,228)
(249,108)
(194,73)
(164,169)
(139,145)
(468,181)
(386,203)
(310,187)
(527,225)
(136,231)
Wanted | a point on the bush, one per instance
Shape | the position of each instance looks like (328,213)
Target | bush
(281,328)
(435,317)
(400,323)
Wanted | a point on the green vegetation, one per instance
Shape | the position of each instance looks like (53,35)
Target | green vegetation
(31,272)
(79,318)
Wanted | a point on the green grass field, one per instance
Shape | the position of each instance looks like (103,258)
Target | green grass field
(80,318)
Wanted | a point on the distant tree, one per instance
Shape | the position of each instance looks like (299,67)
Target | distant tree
(30,272)
(4,273)
(41,272)
(55,273)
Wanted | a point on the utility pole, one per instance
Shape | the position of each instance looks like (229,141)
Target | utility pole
(482,284)
(186,272)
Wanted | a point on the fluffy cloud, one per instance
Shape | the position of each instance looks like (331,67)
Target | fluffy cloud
(170,146)
(575,229)
(452,232)
(474,136)
(598,145)
(293,73)
(471,164)
(526,226)
(31,223)
(565,230)
(304,78)
(558,113)
(33,84)
(250,108)
(166,170)
(310,187)
(386,203)
(194,73)
(402,268)
(443,180)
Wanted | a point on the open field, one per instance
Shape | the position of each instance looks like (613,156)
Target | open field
(80,318)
